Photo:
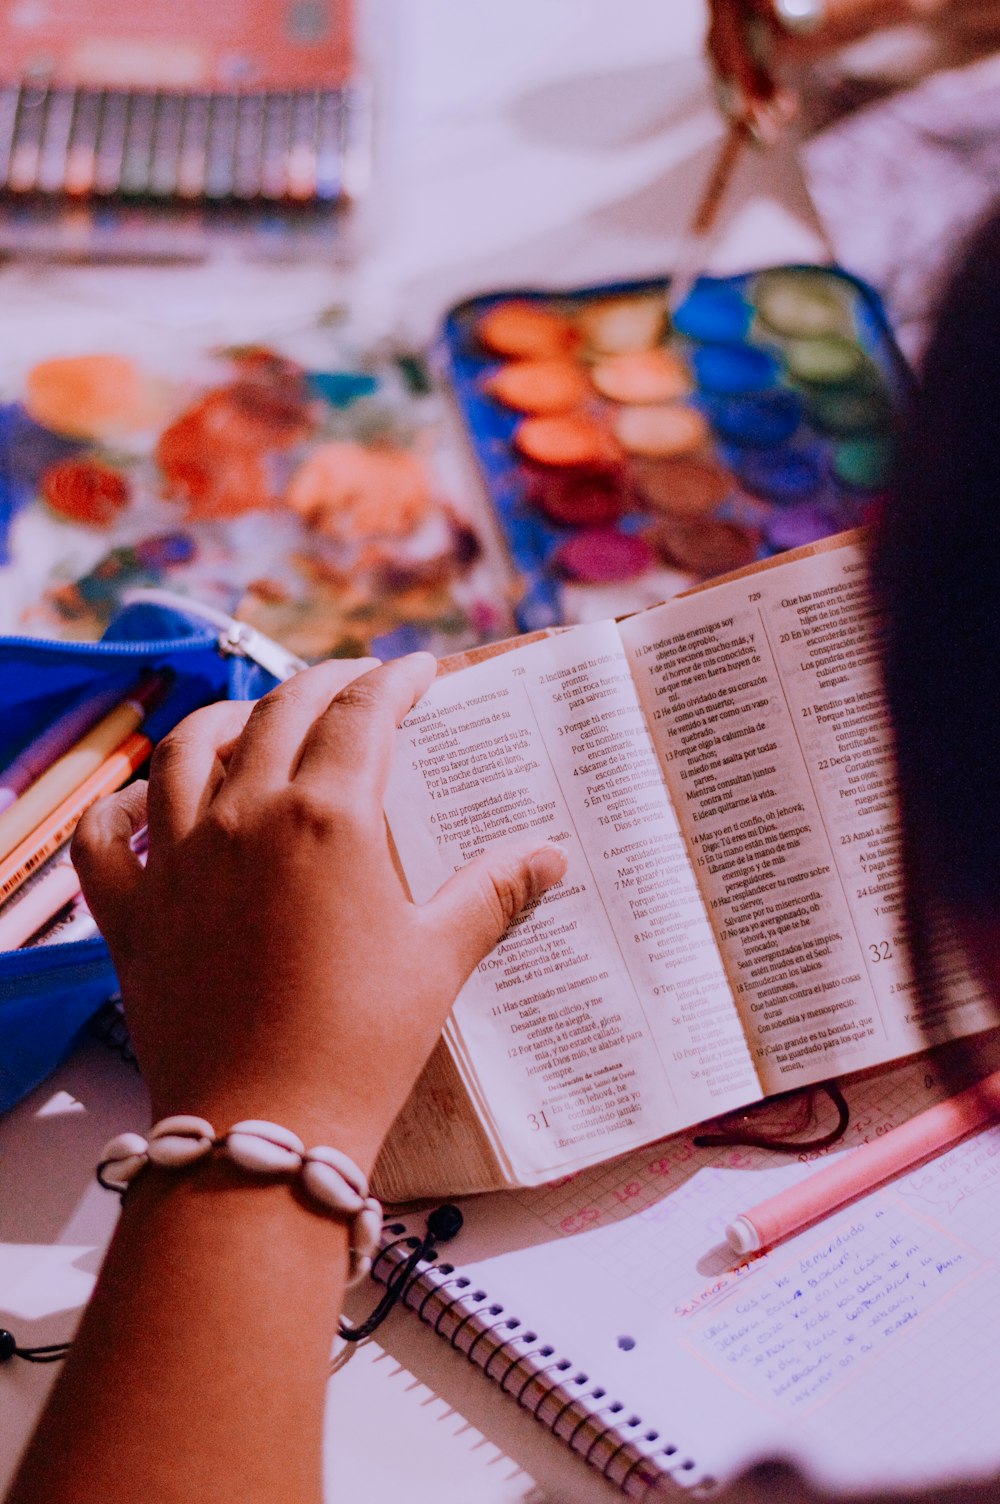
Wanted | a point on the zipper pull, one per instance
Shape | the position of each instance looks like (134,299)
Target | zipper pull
(235,640)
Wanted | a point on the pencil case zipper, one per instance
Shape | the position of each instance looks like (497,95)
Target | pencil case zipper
(231,638)
(234,639)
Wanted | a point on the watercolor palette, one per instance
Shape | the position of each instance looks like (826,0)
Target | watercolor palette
(621,450)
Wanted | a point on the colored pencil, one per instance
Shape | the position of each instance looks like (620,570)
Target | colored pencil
(57,888)
(167,146)
(330,146)
(277,133)
(220,166)
(10,98)
(194,146)
(81,155)
(138,148)
(68,772)
(110,146)
(249,146)
(46,838)
(23,172)
(55,140)
(77,924)
(59,737)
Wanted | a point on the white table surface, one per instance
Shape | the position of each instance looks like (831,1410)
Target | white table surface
(547,142)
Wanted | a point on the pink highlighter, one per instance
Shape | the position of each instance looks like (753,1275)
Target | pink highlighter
(855,1173)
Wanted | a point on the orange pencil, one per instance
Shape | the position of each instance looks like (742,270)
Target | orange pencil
(46,839)
(853,1174)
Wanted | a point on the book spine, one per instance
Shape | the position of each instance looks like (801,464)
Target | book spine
(561,1397)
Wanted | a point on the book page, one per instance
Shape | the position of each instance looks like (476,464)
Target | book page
(767,711)
(603,1020)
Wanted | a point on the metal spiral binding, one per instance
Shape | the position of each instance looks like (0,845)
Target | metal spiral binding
(540,1380)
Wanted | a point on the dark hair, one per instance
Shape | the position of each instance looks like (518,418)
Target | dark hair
(936,568)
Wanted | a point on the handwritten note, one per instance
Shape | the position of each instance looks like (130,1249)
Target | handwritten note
(796,1329)
(967,1172)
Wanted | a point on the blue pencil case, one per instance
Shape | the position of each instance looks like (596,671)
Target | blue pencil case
(49,993)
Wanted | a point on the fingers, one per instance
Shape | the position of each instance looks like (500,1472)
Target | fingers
(730,54)
(269,749)
(102,854)
(356,734)
(473,909)
(771,118)
(235,748)
(188,767)
(741,42)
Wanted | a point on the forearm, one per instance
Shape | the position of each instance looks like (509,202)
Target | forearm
(273,967)
(199,1369)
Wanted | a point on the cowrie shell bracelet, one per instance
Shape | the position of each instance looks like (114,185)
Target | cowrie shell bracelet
(332,1179)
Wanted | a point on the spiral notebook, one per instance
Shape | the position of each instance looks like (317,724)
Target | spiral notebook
(864,1349)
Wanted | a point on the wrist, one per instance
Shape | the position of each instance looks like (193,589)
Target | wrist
(216,1192)
(263,1153)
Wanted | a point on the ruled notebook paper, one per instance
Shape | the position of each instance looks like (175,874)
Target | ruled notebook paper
(864,1348)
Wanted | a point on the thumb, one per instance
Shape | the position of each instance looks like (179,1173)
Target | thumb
(473,909)
(102,854)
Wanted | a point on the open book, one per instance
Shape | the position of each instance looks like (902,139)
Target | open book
(719,770)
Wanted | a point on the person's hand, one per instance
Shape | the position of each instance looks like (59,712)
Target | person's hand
(744,48)
(271,962)
(748,48)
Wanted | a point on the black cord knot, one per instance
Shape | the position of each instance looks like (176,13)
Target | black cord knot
(442,1225)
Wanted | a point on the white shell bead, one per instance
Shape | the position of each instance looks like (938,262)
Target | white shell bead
(173,1150)
(273,1132)
(338,1160)
(123,1171)
(330,1188)
(184,1123)
(123,1146)
(367,1228)
(260,1155)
